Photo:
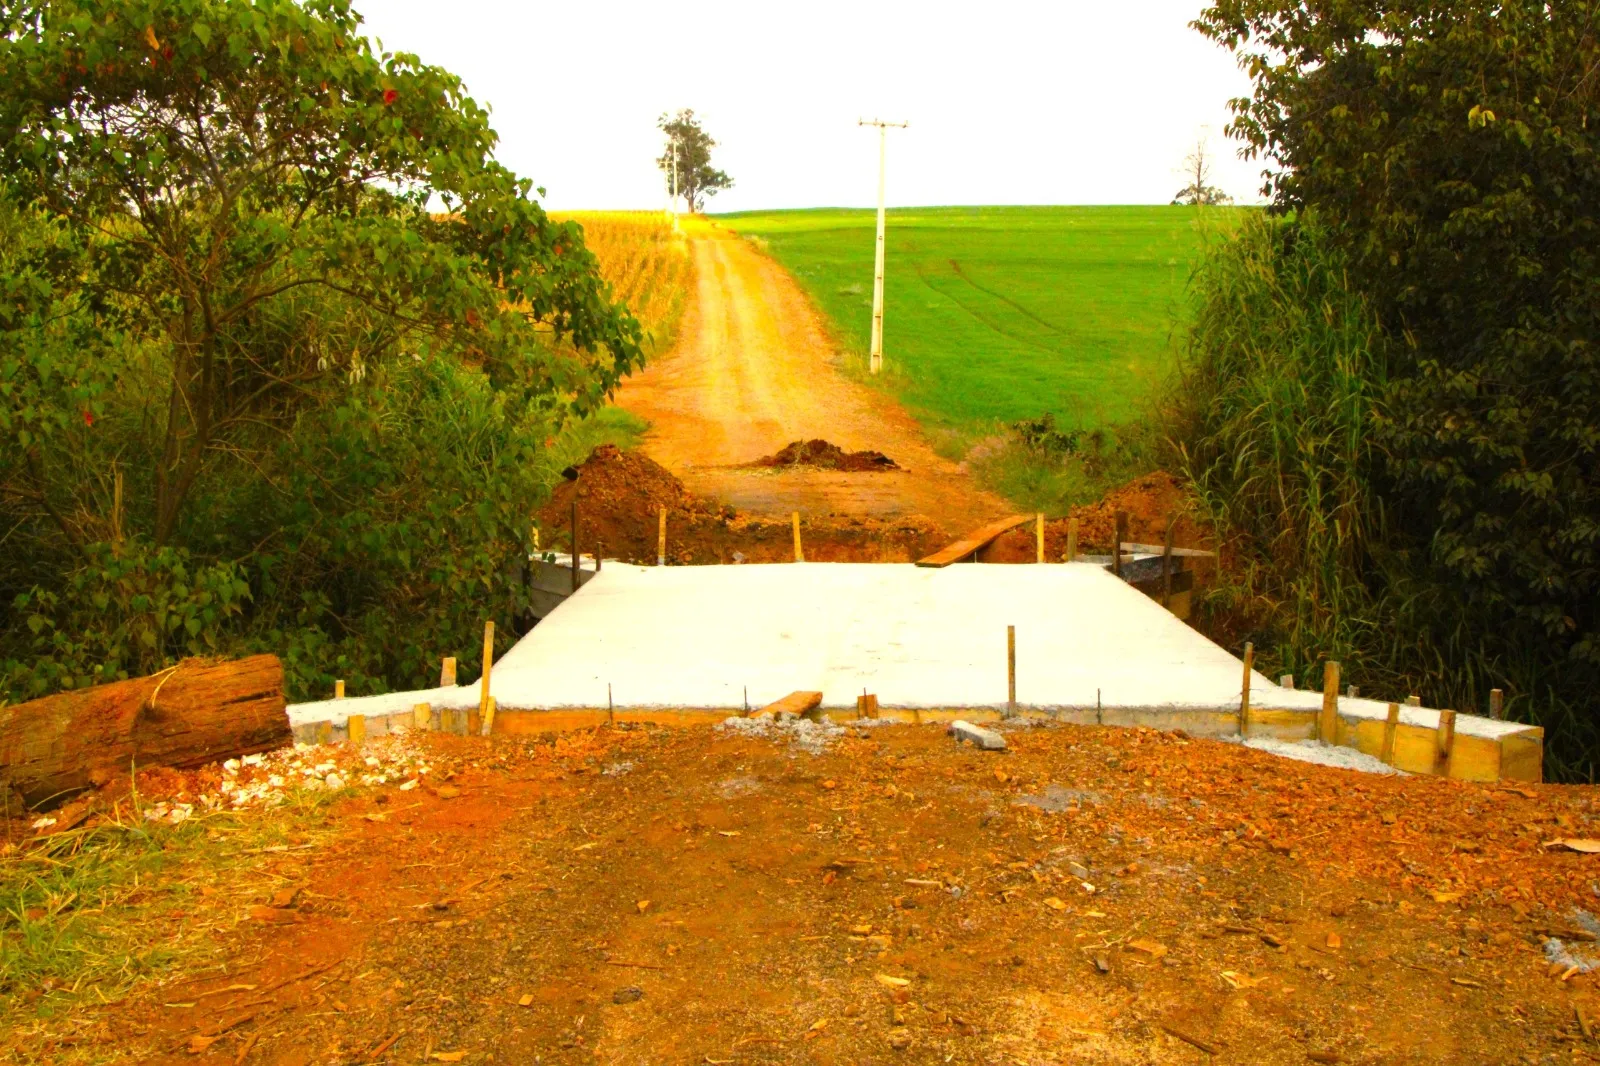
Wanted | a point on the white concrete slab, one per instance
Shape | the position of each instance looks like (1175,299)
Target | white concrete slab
(706,636)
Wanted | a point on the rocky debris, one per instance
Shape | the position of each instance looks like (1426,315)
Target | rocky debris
(983,739)
(812,737)
(822,455)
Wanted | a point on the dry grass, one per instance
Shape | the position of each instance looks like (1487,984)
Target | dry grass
(645,262)
(88,915)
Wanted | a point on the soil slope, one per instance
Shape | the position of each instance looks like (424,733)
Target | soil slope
(753,371)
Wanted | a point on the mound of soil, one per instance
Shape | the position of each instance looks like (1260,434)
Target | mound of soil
(826,456)
(621,495)
(1148,501)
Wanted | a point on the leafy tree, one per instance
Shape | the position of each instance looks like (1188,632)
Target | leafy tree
(686,162)
(223,156)
(1452,151)
(1200,191)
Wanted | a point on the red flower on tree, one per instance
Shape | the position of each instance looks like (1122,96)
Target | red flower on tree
(390,96)
(88,417)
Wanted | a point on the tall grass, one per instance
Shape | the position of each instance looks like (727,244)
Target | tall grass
(1273,417)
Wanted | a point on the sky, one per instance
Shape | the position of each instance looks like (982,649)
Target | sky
(1071,102)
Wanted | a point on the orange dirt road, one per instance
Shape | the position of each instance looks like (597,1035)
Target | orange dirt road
(752,371)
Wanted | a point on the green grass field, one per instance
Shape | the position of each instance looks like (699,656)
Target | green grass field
(994,314)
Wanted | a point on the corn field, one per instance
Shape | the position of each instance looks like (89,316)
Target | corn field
(646,264)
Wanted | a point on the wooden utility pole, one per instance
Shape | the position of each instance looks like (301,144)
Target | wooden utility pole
(876,363)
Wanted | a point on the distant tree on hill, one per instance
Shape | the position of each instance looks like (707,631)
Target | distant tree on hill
(696,177)
(1197,168)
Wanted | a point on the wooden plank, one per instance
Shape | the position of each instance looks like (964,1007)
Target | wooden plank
(1158,549)
(357,727)
(795,703)
(1522,756)
(421,716)
(447,672)
(1446,737)
(972,542)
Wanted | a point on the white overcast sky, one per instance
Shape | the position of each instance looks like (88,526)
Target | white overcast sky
(1073,102)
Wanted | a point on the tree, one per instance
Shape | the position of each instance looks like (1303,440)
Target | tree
(1452,150)
(224,159)
(1200,191)
(688,156)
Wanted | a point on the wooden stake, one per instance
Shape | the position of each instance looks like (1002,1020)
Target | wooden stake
(661,540)
(1413,701)
(447,672)
(1353,691)
(421,716)
(1072,539)
(1286,681)
(574,539)
(338,690)
(799,553)
(1116,546)
(1497,704)
(1244,692)
(1166,566)
(1389,726)
(1038,537)
(1011,669)
(487,718)
(1446,737)
(324,732)
(1328,721)
(357,726)
(488,667)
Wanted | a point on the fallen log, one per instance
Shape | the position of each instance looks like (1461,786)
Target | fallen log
(192,714)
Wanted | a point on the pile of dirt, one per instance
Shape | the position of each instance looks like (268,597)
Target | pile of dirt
(621,495)
(1149,502)
(822,455)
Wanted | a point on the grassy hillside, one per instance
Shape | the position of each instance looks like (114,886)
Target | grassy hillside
(995,314)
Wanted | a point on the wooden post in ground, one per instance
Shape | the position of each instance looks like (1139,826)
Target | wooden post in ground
(1011,669)
(488,667)
(1116,544)
(1244,691)
(356,724)
(661,540)
(1497,704)
(447,672)
(1038,537)
(1413,701)
(1072,539)
(1353,691)
(338,690)
(1328,721)
(1390,725)
(1286,681)
(799,553)
(421,716)
(1166,565)
(1446,743)
(574,539)
(487,718)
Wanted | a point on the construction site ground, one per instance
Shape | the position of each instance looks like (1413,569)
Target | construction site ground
(863,894)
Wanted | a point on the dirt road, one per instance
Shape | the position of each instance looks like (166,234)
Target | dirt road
(651,896)
(752,371)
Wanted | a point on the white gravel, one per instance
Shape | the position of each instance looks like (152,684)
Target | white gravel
(1317,752)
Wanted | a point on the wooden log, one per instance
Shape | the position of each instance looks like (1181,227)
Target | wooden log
(1328,720)
(795,703)
(1244,692)
(1391,725)
(192,714)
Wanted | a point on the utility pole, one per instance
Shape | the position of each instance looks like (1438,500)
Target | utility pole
(674,185)
(876,363)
